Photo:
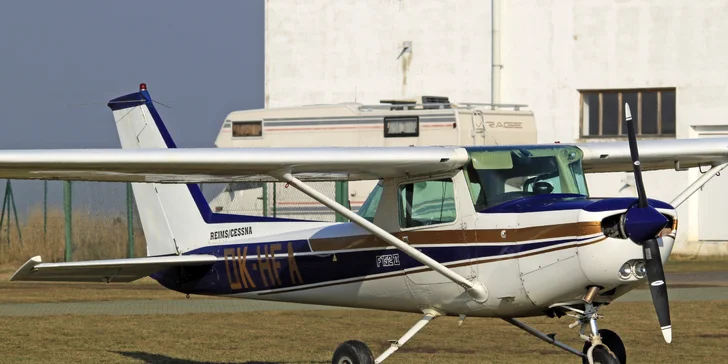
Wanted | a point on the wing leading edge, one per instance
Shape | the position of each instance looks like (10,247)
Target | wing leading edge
(113,270)
(225,165)
(654,154)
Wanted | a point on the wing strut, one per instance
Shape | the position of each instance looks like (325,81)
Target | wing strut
(475,290)
(698,184)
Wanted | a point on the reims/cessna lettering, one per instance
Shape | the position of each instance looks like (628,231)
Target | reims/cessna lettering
(231,233)
(505,231)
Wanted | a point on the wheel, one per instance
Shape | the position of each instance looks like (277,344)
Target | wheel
(613,342)
(353,352)
(601,355)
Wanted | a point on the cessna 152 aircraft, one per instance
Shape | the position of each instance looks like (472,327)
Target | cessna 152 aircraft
(506,231)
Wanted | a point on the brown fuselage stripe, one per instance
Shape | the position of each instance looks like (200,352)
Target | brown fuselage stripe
(425,269)
(436,237)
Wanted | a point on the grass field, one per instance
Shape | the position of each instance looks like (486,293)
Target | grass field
(700,330)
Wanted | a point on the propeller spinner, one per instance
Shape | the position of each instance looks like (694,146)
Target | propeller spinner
(642,223)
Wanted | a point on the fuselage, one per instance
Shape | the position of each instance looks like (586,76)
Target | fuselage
(529,253)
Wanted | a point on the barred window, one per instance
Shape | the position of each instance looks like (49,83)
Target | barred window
(602,112)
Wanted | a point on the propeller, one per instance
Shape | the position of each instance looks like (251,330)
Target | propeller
(642,223)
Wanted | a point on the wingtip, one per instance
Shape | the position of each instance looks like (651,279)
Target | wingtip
(667,334)
(26,268)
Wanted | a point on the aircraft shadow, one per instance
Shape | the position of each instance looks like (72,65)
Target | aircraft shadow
(159,358)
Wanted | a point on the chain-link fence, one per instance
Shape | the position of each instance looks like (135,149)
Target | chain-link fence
(275,200)
(71,221)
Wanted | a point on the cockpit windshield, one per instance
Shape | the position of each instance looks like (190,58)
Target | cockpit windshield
(369,209)
(500,174)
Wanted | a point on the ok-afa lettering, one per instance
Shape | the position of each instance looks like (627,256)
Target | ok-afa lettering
(261,268)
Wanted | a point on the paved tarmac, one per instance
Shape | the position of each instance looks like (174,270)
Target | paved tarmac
(687,287)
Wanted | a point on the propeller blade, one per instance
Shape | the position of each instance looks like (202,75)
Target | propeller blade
(632,137)
(658,287)
(644,227)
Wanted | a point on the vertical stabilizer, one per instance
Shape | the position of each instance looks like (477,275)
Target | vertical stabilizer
(164,209)
(176,218)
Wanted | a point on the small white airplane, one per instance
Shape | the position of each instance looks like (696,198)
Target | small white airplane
(506,231)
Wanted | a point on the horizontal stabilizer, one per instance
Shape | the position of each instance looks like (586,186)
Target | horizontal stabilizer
(112,270)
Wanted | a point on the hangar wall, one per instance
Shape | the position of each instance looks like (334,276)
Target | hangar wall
(322,51)
(546,52)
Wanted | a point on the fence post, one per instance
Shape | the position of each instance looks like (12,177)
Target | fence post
(275,199)
(67,200)
(342,197)
(7,199)
(130,220)
(2,215)
(265,198)
(45,211)
(15,212)
(9,203)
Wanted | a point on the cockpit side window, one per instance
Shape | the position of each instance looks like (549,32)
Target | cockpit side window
(426,203)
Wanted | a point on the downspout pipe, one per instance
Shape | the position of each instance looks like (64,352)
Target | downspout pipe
(495,60)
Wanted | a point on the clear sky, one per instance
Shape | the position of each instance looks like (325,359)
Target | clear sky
(202,58)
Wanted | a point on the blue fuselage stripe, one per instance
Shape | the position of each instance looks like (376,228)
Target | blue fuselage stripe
(268,266)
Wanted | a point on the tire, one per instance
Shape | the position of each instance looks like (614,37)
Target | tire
(613,342)
(353,352)
(602,356)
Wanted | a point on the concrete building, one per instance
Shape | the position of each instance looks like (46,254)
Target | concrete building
(571,61)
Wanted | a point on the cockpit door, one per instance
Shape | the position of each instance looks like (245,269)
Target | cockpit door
(429,221)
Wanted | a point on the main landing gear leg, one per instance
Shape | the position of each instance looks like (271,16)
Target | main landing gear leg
(356,352)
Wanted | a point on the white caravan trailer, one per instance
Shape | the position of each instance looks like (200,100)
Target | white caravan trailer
(427,120)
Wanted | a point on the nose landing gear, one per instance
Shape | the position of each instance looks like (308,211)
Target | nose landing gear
(600,346)
(614,348)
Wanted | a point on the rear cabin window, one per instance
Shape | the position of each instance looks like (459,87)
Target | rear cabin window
(243,129)
(426,203)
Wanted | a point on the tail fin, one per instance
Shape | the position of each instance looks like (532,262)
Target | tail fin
(175,217)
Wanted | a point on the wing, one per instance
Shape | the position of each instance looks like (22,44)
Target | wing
(224,165)
(115,270)
(654,154)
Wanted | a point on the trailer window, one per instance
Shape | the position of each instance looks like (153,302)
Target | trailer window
(242,129)
(402,126)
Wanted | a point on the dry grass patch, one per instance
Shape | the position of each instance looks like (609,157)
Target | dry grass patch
(682,263)
(94,237)
(311,337)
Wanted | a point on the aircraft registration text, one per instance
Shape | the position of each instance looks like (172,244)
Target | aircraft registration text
(264,267)
(387,260)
